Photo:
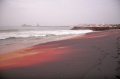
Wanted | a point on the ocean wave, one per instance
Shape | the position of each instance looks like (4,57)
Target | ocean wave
(26,34)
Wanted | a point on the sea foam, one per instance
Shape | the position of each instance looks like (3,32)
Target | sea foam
(40,33)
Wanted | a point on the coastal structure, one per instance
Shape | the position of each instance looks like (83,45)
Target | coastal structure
(26,25)
(96,27)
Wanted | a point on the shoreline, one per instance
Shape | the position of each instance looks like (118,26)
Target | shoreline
(91,56)
(29,42)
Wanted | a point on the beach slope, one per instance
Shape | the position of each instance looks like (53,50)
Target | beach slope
(92,56)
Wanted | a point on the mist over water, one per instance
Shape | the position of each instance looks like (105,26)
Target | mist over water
(14,13)
(35,27)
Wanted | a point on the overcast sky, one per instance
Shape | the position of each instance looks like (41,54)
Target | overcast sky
(58,12)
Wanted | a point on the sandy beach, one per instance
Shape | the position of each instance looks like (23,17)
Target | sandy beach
(92,56)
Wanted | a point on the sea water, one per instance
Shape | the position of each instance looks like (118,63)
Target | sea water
(39,32)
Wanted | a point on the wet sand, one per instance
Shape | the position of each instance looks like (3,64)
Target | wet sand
(92,56)
(11,45)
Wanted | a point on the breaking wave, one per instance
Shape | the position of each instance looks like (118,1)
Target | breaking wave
(39,33)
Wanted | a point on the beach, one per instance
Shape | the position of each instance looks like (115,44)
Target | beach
(95,55)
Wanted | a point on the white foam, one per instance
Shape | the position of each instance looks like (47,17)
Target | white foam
(25,34)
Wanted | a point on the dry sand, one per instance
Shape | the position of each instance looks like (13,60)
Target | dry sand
(92,56)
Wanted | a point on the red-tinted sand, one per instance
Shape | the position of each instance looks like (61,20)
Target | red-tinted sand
(31,55)
(92,56)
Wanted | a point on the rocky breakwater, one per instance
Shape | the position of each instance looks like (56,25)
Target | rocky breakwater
(96,28)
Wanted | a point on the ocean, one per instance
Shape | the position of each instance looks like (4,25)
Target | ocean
(41,32)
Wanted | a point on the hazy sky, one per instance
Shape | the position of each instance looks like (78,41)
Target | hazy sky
(58,12)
